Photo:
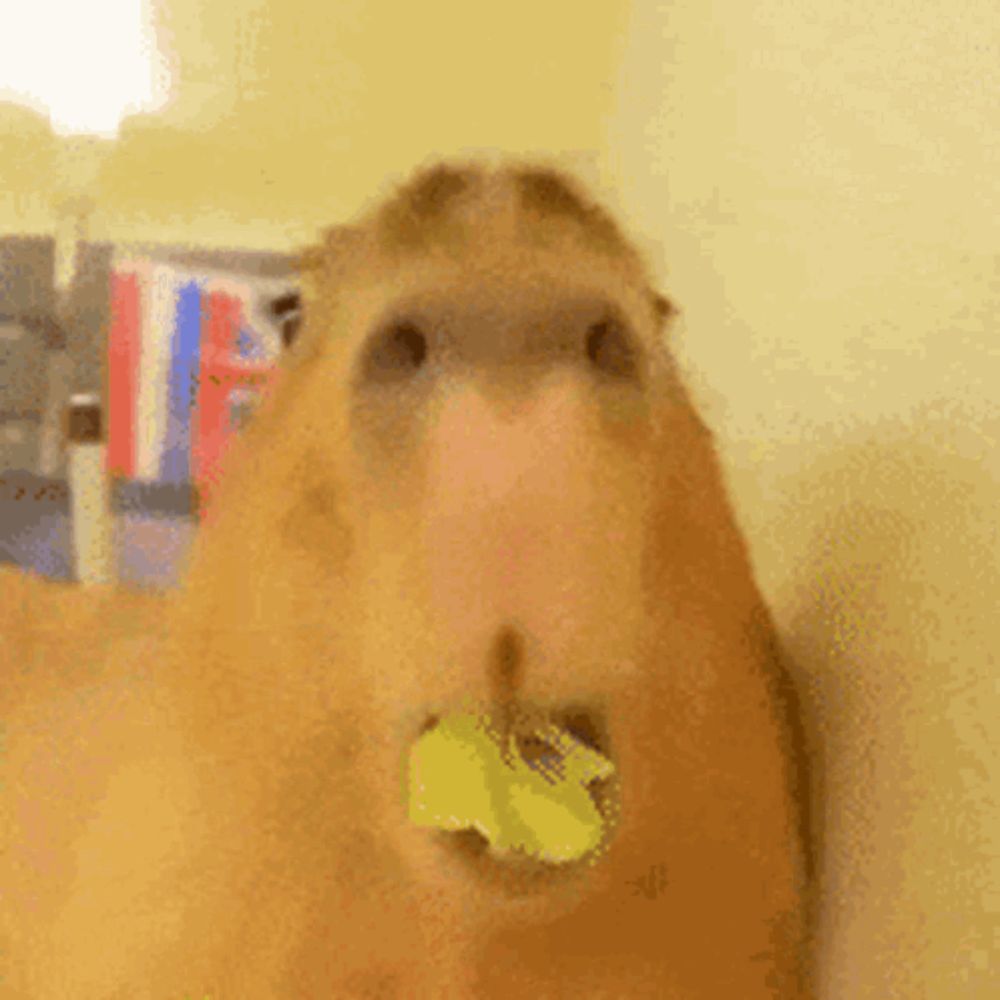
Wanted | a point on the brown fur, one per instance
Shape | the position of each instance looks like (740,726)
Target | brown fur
(54,636)
(230,821)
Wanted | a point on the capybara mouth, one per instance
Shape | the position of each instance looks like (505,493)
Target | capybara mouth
(525,806)
(587,725)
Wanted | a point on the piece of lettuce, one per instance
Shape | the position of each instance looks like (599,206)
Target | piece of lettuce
(459,779)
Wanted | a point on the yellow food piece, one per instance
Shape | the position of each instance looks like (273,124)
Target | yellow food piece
(459,779)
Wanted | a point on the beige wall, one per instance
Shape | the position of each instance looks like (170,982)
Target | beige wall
(285,115)
(28,152)
(819,185)
(824,180)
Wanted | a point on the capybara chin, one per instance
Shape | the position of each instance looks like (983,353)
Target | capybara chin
(479,486)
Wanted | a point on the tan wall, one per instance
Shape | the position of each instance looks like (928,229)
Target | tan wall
(286,115)
(28,152)
(824,180)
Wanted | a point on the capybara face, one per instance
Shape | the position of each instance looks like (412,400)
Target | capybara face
(478,488)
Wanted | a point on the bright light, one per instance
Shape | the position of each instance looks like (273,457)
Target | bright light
(86,63)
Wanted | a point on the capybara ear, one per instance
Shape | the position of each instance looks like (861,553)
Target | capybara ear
(286,310)
(664,308)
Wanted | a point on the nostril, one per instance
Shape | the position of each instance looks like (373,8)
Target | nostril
(470,842)
(609,349)
(396,352)
(412,344)
(431,722)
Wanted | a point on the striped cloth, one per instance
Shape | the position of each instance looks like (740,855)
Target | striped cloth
(190,356)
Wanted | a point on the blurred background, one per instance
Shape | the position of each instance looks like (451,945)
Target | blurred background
(817,185)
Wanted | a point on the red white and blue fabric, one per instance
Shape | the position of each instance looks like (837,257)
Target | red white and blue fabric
(186,366)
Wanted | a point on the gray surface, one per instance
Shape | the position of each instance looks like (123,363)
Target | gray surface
(19,441)
(27,276)
(154,526)
(127,496)
(23,369)
(86,316)
(27,324)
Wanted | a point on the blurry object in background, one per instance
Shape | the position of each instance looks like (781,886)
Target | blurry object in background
(35,526)
(31,339)
(85,313)
(90,501)
(193,346)
(51,345)
(73,211)
(22,369)
(153,525)
(191,338)
(27,268)
(27,329)
(19,441)
(237,367)
(51,460)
